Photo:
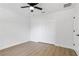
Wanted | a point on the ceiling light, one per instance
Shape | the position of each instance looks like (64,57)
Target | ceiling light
(31,8)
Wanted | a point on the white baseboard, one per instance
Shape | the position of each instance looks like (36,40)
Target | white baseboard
(64,46)
(77,52)
(10,45)
(55,44)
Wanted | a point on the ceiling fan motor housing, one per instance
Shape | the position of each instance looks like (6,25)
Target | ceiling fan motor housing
(32,4)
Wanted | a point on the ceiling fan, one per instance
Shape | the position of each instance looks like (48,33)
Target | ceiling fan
(32,6)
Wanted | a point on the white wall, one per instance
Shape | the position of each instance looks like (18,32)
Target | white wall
(55,28)
(43,29)
(14,28)
(64,28)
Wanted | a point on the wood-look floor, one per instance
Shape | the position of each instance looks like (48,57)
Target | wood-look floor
(37,49)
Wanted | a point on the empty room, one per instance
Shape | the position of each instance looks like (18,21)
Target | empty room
(39,29)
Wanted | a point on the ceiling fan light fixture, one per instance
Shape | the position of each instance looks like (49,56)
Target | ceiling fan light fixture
(31,8)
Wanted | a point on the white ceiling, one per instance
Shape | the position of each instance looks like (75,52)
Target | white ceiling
(47,7)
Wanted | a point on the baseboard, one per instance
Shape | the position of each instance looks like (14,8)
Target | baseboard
(64,46)
(77,52)
(55,44)
(7,46)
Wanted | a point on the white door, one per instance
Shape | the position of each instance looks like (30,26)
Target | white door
(76,32)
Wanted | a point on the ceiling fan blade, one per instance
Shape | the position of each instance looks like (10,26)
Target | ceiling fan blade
(38,8)
(24,6)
